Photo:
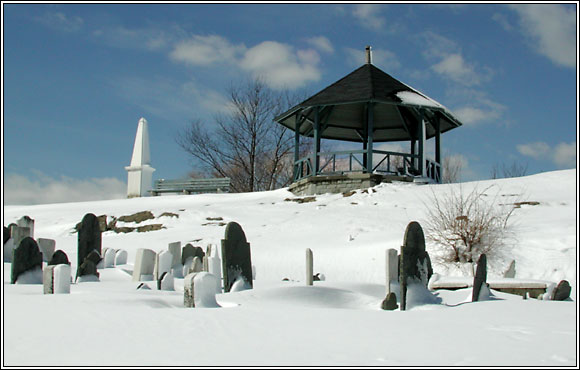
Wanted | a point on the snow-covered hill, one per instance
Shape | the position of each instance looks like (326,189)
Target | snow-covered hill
(336,322)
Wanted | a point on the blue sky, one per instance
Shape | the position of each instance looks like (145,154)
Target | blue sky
(77,78)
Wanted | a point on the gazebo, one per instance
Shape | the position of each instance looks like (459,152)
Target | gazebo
(367,106)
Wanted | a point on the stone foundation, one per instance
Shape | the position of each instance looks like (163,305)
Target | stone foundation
(341,183)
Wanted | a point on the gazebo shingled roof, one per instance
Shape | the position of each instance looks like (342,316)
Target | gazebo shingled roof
(343,109)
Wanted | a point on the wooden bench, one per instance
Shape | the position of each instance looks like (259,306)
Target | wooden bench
(191,186)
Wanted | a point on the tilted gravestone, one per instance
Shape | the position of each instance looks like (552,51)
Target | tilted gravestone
(59,257)
(46,248)
(392,268)
(414,261)
(562,291)
(236,257)
(120,257)
(19,233)
(89,238)
(88,268)
(26,221)
(175,249)
(56,279)
(26,257)
(480,277)
(511,271)
(144,264)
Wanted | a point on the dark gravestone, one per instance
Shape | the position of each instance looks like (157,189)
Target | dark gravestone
(562,291)
(414,263)
(236,256)
(6,234)
(26,257)
(390,302)
(189,251)
(480,277)
(89,238)
(59,257)
(89,265)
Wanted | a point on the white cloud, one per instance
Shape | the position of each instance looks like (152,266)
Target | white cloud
(551,29)
(562,155)
(503,21)
(479,108)
(321,43)
(152,38)
(382,58)
(453,66)
(205,50)
(60,21)
(42,189)
(369,16)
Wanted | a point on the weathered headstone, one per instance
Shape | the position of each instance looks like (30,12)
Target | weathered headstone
(191,251)
(236,257)
(89,239)
(59,257)
(309,267)
(390,302)
(392,268)
(120,257)
(562,291)
(56,279)
(414,260)
(87,271)
(197,265)
(19,233)
(144,265)
(199,290)
(8,247)
(26,221)
(214,267)
(511,271)
(26,258)
(165,281)
(175,249)
(163,262)
(46,248)
(480,277)
(109,258)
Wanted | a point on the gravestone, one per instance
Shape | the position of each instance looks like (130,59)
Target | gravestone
(390,302)
(8,247)
(199,290)
(175,249)
(120,257)
(59,257)
(109,258)
(163,262)
(480,277)
(25,258)
(56,279)
(46,248)
(6,234)
(562,291)
(87,271)
(236,256)
(309,267)
(511,271)
(392,268)
(18,233)
(414,260)
(89,239)
(26,221)
(144,264)
(197,265)
(165,281)
(214,267)
(191,251)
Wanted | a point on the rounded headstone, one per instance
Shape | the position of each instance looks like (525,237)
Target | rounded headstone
(236,256)
(59,257)
(25,257)
(562,291)
(120,257)
(89,237)
(413,256)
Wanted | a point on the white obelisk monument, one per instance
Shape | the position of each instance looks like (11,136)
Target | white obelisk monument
(140,172)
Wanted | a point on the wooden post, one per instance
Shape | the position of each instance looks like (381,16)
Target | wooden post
(309,267)
(413,151)
(316,161)
(421,153)
(296,146)
(370,118)
(438,148)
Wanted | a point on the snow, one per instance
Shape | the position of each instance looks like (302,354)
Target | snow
(336,322)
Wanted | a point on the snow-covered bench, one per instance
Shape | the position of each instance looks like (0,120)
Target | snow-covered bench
(191,186)
(533,288)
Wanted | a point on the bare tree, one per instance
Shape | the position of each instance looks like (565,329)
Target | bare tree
(514,169)
(451,167)
(245,144)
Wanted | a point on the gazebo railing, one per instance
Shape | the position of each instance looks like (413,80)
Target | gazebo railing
(387,162)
